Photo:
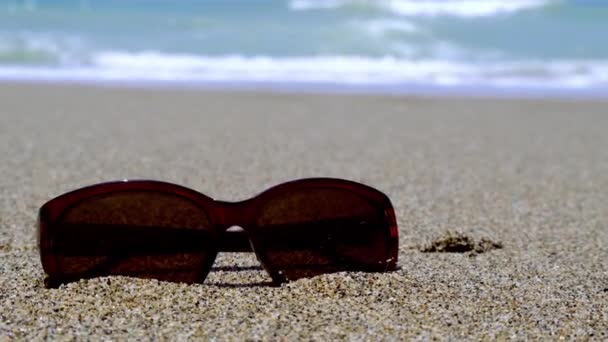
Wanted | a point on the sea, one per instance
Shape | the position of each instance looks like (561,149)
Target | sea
(542,47)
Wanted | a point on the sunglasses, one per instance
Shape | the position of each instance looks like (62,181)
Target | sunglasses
(152,229)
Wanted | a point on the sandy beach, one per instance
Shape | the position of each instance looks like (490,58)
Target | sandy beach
(530,176)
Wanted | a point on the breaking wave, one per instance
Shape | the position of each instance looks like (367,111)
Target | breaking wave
(459,8)
(347,70)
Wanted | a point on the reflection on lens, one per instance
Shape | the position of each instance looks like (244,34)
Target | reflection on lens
(322,230)
(135,233)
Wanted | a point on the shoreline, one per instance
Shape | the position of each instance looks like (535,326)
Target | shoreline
(407,90)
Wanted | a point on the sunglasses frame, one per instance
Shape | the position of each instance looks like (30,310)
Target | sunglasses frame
(221,214)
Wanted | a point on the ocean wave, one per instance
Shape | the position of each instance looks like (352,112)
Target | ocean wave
(462,8)
(382,27)
(347,70)
(458,8)
(302,5)
(40,48)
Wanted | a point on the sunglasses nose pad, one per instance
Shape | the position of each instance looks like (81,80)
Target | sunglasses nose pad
(235,239)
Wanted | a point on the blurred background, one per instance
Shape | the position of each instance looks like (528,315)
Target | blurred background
(473,46)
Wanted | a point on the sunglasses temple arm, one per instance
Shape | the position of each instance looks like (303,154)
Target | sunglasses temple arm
(131,238)
(172,238)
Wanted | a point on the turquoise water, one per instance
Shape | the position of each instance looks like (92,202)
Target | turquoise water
(399,44)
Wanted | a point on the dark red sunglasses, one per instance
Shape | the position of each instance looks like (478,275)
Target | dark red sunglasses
(152,229)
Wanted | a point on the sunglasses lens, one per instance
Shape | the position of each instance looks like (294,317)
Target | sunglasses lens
(134,233)
(316,231)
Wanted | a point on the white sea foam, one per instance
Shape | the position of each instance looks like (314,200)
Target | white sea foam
(154,66)
(459,8)
(381,27)
(301,5)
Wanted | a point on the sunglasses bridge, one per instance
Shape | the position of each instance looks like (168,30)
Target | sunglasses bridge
(234,236)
